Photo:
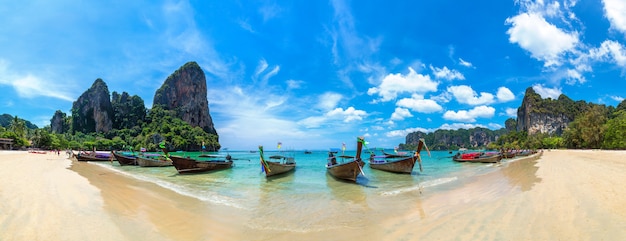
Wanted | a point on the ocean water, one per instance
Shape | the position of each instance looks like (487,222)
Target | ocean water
(313,196)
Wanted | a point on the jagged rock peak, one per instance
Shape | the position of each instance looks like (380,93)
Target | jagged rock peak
(57,123)
(92,111)
(537,115)
(185,92)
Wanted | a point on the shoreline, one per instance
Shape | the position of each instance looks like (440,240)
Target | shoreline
(565,194)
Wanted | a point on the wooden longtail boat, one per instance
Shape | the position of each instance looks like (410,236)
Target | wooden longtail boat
(508,154)
(93,157)
(477,157)
(186,165)
(399,163)
(125,160)
(282,165)
(157,161)
(349,169)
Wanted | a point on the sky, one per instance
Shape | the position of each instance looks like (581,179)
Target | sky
(316,74)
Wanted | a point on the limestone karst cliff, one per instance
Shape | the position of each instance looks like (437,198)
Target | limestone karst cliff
(92,111)
(185,92)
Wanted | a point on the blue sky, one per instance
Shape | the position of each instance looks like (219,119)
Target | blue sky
(314,74)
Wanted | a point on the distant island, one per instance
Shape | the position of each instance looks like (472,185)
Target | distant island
(180,117)
(540,124)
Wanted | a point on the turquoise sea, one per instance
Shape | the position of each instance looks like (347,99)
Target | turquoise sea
(312,196)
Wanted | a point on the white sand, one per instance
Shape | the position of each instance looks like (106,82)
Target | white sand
(565,195)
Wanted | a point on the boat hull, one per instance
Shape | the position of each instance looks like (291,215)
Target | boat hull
(187,165)
(125,160)
(485,159)
(149,162)
(86,157)
(276,168)
(404,166)
(346,171)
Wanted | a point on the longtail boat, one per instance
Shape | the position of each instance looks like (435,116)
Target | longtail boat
(348,169)
(186,165)
(399,163)
(477,157)
(94,156)
(283,164)
(125,160)
(508,154)
(153,161)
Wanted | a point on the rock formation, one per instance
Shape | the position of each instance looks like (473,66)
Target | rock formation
(58,123)
(92,111)
(452,139)
(185,92)
(129,111)
(537,115)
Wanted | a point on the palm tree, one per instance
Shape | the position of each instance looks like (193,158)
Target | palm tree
(18,127)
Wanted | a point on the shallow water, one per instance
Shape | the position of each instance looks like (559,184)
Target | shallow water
(311,196)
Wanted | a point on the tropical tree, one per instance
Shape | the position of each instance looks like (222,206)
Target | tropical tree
(615,132)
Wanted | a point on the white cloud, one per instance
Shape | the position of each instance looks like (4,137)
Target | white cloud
(495,126)
(262,73)
(574,76)
(403,133)
(328,100)
(294,84)
(466,95)
(511,112)
(615,12)
(610,51)
(465,63)
(456,126)
(262,66)
(348,115)
(401,114)
(419,104)
(471,115)
(546,92)
(447,74)
(504,94)
(31,86)
(617,98)
(394,84)
(543,40)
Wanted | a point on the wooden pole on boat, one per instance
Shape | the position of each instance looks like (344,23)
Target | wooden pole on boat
(359,146)
(264,165)
(421,144)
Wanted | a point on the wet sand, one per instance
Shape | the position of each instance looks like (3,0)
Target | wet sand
(564,195)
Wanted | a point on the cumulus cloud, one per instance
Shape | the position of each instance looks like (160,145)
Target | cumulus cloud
(447,74)
(338,114)
(545,41)
(401,114)
(504,94)
(546,92)
(614,11)
(610,51)
(511,112)
(466,95)
(419,104)
(470,115)
(348,115)
(394,84)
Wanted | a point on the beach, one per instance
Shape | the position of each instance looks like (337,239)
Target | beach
(563,195)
